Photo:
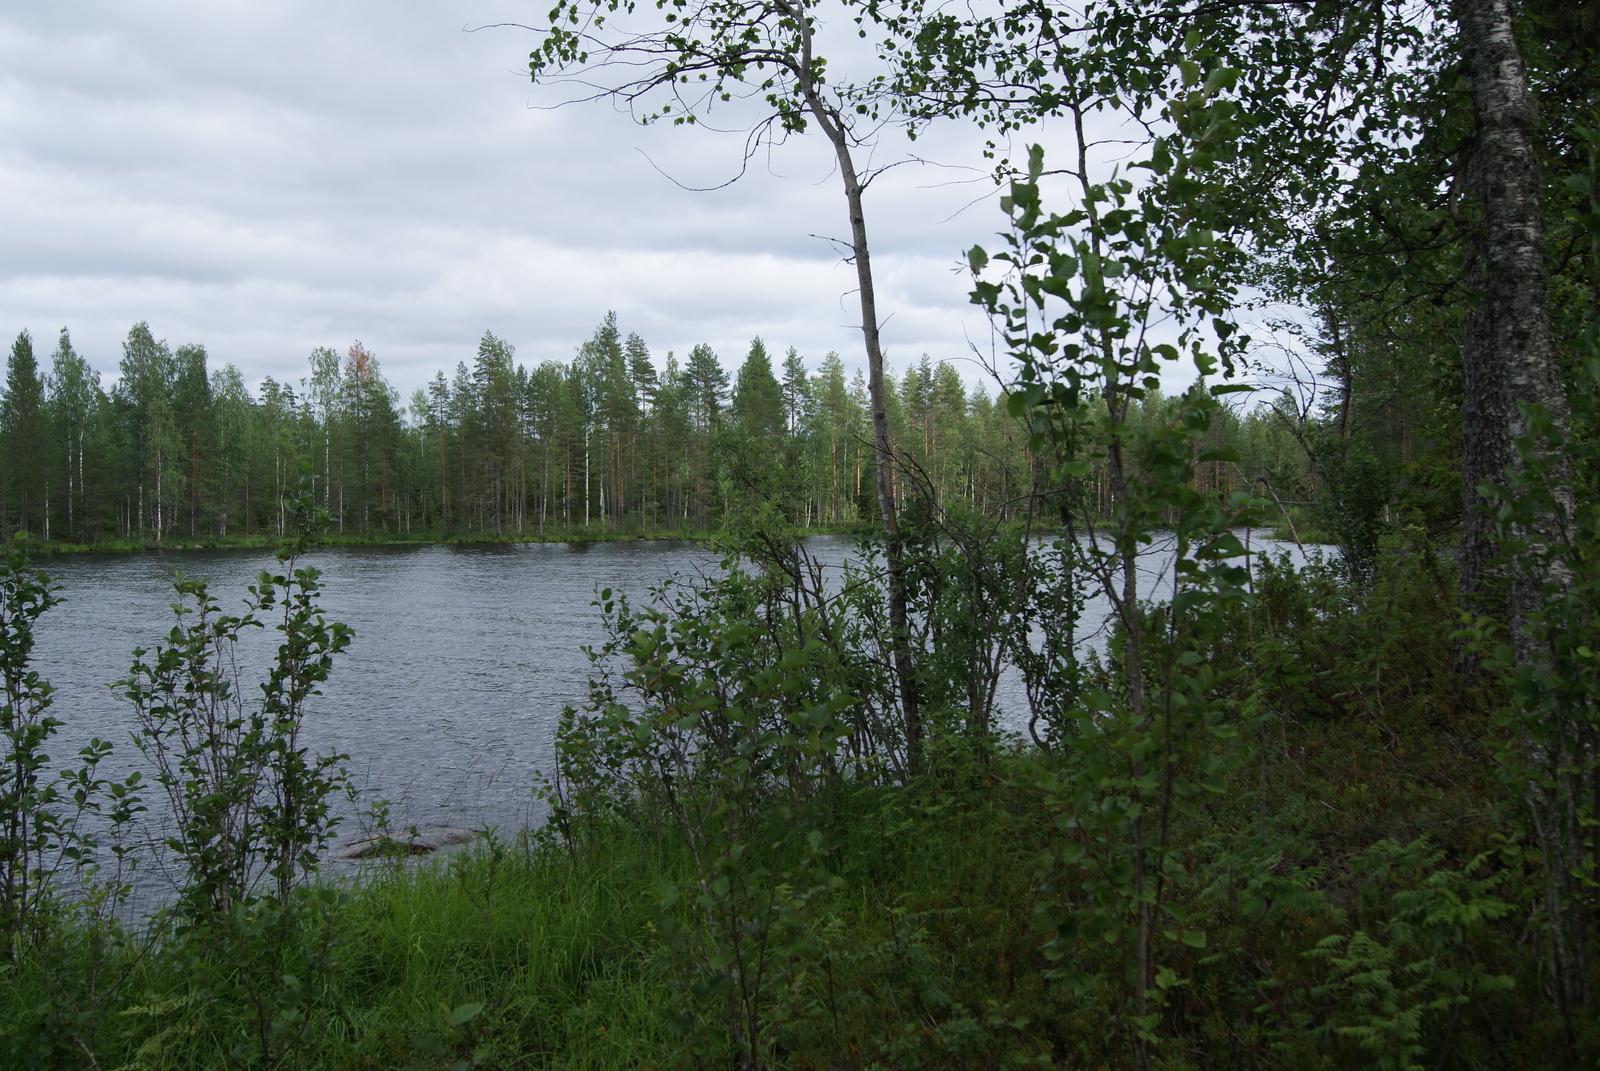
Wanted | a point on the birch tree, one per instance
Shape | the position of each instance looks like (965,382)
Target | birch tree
(678,59)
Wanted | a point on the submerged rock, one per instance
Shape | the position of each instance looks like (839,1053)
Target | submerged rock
(421,841)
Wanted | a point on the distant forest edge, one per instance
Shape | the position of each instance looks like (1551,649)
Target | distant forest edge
(606,445)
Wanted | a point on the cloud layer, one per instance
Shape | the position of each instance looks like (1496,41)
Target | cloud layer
(266,178)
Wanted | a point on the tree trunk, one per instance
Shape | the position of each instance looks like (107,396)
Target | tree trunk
(1521,351)
(900,639)
(1485,450)
(1519,348)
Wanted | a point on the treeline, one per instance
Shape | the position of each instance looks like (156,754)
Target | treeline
(608,443)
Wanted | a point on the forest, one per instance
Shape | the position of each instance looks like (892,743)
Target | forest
(1330,811)
(607,445)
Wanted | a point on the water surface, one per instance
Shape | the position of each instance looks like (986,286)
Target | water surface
(447,700)
(448,696)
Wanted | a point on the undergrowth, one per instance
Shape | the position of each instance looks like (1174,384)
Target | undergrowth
(1367,904)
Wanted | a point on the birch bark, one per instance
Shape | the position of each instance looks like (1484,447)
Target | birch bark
(1516,346)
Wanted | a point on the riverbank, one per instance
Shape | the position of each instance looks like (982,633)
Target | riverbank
(47,548)
(44,548)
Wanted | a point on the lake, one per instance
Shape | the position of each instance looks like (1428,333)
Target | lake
(448,697)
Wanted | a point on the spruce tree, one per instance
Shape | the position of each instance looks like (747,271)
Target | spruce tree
(22,425)
(757,398)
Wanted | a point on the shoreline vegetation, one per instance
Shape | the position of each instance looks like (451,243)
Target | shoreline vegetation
(42,548)
(45,549)
(179,452)
(1349,892)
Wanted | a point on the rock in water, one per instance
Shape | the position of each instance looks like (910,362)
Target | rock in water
(435,837)
(421,841)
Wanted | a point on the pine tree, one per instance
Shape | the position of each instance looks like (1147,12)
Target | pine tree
(833,431)
(495,427)
(708,386)
(674,420)
(374,428)
(435,417)
(645,451)
(796,387)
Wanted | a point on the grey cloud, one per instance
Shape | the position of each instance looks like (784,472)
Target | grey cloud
(266,178)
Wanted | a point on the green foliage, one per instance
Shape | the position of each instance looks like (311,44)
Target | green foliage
(249,807)
(59,905)
(249,804)
(740,726)
(1152,739)
(22,437)
(925,955)
(1321,649)
(1263,829)
(604,446)
(1359,488)
(1378,994)
(971,584)
(29,803)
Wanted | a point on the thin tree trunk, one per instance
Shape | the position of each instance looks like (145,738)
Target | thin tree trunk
(1133,654)
(900,636)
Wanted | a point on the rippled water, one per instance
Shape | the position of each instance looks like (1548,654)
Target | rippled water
(446,701)
(447,698)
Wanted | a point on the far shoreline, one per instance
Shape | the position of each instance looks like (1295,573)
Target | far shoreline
(35,547)
(39,548)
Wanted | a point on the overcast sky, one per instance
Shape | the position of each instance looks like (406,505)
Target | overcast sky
(263,178)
